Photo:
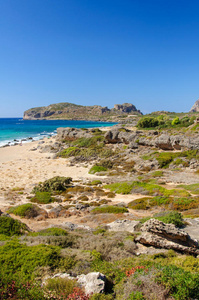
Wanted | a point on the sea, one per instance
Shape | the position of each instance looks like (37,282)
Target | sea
(17,130)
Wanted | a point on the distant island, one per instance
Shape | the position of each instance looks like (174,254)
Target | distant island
(70,111)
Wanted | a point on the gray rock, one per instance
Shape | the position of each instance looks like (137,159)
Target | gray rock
(123,225)
(158,234)
(93,283)
(195,107)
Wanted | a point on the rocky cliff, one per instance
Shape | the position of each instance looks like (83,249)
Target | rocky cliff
(72,111)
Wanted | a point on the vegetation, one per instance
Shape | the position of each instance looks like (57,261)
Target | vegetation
(10,227)
(53,185)
(42,198)
(109,209)
(27,210)
(97,168)
(164,121)
(54,231)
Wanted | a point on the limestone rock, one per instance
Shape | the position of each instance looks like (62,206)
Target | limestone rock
(93,282)
(158,234)
(123,225)
(195,107)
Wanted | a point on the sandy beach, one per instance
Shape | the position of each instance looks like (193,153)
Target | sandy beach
(22,168)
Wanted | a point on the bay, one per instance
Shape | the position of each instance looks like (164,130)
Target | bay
(12,129)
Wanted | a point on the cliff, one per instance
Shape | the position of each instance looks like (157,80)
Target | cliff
(70,111)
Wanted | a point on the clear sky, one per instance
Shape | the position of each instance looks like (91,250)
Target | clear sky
(103,52)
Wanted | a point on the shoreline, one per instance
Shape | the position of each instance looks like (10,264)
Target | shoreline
(27,138)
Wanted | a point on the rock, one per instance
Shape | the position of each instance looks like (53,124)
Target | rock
(195,107)
(72,133)
(168,236)
(58,211)
(123,225)
(93,283)
(72,226)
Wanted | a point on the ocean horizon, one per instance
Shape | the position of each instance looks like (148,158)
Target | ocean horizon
(17,130)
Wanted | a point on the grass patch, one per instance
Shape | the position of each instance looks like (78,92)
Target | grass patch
(193,188)
(111,209)
(143,187)
(54,231)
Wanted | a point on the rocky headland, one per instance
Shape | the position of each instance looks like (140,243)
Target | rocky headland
(70,111)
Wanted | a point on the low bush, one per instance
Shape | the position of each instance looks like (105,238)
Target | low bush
(172,218)
(10,227)
(53,185)
(42,198)
(109,209)
(95,182)
(97,168)
(27,210)
(20,260)
(148,122)
(182,285)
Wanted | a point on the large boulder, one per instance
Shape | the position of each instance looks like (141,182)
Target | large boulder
(123,225)
(93,283)
(168,236)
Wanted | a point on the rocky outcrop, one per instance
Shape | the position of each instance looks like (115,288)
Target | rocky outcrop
(125,108)
(123,225)
(195,107)
(152,138)
(158,234)
(70,111)
(72,133)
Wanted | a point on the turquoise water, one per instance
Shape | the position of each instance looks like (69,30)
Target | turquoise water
(17,129)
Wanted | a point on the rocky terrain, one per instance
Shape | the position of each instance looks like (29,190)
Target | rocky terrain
(70,111)
(129,230)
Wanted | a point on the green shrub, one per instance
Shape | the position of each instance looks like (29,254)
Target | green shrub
(42,198)
(70,151)
(182,285)
(175,121)
(109,209)
(20,260)
(95,182)
(141,203)
(10,227)
(54,184)
(97,168)
(172,218)
(148,122)
(136,296)
(27,210)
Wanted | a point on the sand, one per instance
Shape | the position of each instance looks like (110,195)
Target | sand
(22,167)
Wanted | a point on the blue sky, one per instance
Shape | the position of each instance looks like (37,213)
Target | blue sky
(99,52)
